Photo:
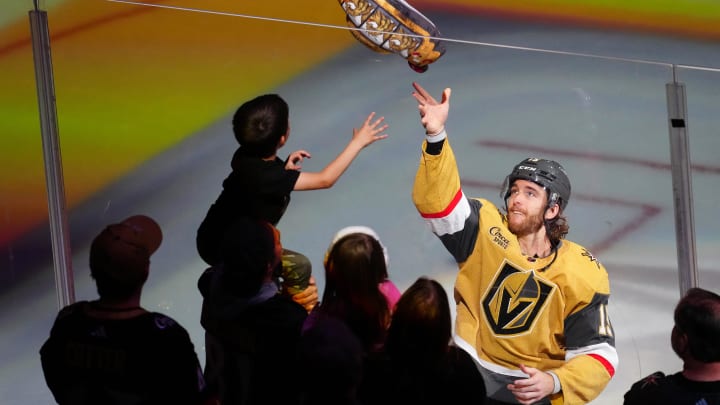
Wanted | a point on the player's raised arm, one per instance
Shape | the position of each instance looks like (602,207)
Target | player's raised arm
(369,132)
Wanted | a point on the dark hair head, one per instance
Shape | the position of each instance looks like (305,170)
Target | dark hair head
(259,124)
(353,270)
(697,315)
(383,275)
(248,254)
(421,324)
(331,353)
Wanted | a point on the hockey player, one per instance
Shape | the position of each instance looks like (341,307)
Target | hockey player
(531,306)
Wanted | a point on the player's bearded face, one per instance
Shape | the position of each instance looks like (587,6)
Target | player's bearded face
(527,224)
(526,208)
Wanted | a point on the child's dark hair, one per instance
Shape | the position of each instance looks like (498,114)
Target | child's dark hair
(259,123)
(352,273)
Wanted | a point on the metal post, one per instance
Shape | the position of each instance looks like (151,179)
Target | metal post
(682,184)
(53,163)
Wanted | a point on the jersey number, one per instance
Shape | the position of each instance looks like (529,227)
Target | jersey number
(605,328)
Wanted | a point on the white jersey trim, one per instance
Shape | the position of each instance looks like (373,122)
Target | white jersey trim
(454,221)
(604,350)
(461,343)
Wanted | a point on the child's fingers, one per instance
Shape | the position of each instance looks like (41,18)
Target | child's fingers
(377,122)
(379,130)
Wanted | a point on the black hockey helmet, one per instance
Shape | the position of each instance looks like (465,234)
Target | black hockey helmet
(547,173)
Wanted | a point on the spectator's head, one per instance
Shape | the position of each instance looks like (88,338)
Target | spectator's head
(367,231)
(250,251)
(353,270)
(329,352)
(696,334)
(120,256)
(421,323)
(262,125)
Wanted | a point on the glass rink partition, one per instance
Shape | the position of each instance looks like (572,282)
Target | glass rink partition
(143,94)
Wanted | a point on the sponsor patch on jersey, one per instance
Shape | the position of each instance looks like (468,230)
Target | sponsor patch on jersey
(514,301)
(498,238)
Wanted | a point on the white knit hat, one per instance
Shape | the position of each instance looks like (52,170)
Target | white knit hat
(358,229)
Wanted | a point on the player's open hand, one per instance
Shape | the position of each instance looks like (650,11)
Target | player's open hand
(371,131)
(294,161)
(537,386)
(433,115)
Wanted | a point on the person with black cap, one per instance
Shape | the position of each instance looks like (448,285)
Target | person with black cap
(112,350)
(532,307)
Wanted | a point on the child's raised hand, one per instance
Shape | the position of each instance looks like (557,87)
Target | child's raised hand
(294,161)
(370,130)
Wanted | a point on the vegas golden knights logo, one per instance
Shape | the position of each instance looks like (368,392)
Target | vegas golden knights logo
(514,301)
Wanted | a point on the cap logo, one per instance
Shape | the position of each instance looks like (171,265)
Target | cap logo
(530,168)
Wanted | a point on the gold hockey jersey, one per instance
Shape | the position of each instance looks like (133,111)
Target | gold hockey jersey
(549,313)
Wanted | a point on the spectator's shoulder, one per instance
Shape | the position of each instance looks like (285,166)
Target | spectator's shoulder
(643,390)
(283,304)
(165,324)
(71,310)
